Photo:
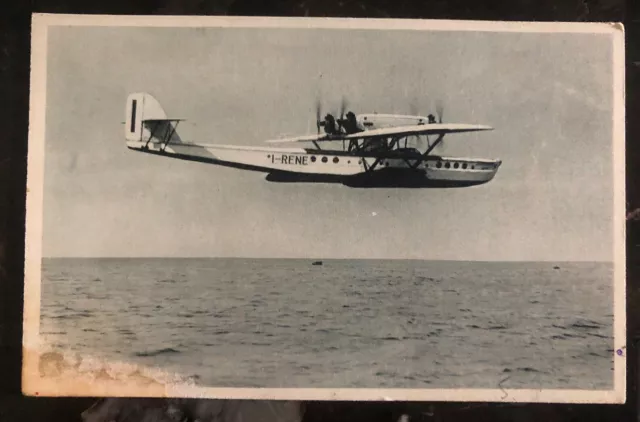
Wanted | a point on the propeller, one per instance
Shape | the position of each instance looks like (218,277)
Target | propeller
(318,114)
(329,121)
(343,109)
(439,115)
(413,111)
(321,121)
(439,110)
(343,106)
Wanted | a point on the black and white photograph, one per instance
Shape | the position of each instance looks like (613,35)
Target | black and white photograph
(325,209)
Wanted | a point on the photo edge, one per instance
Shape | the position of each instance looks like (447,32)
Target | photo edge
(33,257)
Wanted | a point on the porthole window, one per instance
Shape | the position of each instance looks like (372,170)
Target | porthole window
(359,161)
(439,165)
(324,159)
(313,158)
(473,167)
(336,159)
(447,165)
(464,165)
(268,155)
(456,165)
(349,162)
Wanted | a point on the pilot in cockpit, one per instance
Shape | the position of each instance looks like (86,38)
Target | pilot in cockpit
(432,118)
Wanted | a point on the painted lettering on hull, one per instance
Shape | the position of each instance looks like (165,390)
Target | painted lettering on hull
(298,160)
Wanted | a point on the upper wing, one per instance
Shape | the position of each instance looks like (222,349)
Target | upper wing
(306,138)
(426,129)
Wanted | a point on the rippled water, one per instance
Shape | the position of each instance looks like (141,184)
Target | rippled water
(347,323)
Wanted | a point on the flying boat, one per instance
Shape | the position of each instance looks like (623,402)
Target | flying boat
(357,150)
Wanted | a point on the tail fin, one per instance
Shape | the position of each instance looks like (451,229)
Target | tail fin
(145,120)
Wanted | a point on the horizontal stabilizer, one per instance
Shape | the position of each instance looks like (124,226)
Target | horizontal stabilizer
(163,120)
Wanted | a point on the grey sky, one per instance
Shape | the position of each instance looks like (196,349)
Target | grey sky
(549,96)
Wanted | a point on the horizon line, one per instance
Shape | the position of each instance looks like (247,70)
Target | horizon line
(332,258)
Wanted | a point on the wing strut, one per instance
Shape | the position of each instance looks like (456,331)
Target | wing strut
(168,138)
(153,130)
(168,134)
(433,145)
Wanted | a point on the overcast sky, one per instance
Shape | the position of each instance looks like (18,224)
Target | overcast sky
(549,98)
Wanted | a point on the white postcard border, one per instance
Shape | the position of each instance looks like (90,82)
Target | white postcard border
(35,385)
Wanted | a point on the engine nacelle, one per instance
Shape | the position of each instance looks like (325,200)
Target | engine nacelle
(381,121)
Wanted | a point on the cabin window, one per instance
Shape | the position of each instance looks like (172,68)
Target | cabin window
(313,158)
(439,165)
(456,165)
(336,159)
(324,159)
(473,167)
(447,165)
(349,162)
(464,165)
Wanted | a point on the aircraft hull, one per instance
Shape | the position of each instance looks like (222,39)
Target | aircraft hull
(383,178)
(289,165)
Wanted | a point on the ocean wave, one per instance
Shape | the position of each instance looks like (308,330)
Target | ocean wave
(586,324)
(170,281)
(73,315)
(599,336)
(566,336)
(580,324)
(526,369)
(67,365)
(391,338)
(157,352)
(497,327)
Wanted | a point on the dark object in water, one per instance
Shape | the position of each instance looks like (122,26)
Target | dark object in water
(556,267)
(317,263)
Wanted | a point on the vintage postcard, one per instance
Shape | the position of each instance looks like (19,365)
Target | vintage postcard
(325,209)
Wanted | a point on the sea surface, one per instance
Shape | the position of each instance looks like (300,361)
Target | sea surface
(347,323)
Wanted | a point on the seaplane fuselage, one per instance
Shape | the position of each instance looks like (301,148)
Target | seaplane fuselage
(367,162)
